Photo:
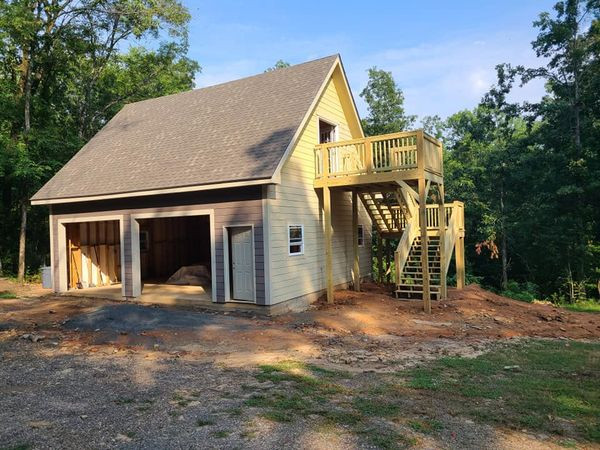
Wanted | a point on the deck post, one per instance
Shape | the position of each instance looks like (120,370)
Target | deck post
(459,252)
(424,245)
(356,266)
(328,243)
(442,231)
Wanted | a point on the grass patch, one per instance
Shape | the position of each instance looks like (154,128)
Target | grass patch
(426,426)
(386,439)
(589,306)
(277,415)
(182,399)
(221,434)
(308,387)
(235,412)
(314,391)
(377,406)
(553,380)
(204,422)
(8,295)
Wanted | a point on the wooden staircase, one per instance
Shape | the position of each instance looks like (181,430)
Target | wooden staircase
(385,212)
(393,175)
(410,281)
(395,214)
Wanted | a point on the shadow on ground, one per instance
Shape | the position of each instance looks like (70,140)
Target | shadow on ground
(132,318)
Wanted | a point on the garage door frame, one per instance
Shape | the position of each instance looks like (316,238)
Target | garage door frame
(136,271)
(63,275)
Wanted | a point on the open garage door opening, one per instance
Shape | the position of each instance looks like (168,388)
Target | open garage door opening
(93,254)
(175,256)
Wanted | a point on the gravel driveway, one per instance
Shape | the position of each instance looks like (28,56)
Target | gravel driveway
(89,373)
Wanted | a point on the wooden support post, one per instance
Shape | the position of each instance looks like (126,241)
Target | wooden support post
(424,245)
(328,243)
(442,231)
(388,261)
(356,266)
(380,271)
(459,252)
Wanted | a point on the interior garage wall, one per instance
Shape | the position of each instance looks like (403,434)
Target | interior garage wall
(230,207)
(174,242)
(93,253)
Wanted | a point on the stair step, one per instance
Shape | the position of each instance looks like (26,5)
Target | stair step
(415,288)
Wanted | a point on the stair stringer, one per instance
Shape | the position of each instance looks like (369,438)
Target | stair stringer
(410,232)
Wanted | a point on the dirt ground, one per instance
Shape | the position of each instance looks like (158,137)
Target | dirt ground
(83,372)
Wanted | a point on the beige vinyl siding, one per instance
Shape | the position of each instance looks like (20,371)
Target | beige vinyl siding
(297,202)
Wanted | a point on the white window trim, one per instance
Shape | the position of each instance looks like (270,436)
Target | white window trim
(360,227)
(301,252)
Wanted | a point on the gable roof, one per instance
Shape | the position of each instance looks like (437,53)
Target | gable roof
(232,132)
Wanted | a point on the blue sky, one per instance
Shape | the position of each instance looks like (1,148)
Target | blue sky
(441,53)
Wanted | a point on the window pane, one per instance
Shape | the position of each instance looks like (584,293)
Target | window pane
(295,233)
(295,240)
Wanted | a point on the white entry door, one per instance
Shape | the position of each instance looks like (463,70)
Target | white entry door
(242,263)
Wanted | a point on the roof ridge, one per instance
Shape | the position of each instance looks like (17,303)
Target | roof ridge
(335,55)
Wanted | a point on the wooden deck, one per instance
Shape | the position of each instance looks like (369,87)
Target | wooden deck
(385,159)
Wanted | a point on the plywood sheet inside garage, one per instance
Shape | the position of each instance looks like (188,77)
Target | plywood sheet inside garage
(94,253)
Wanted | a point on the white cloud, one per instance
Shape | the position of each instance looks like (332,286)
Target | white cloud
(450,76)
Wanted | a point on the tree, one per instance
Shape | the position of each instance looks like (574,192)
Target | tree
(55,56)
(529,173)
(567,136)
(385,104)
(280,64)
(434,125)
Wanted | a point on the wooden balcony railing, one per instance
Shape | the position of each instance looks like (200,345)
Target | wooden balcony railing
(433,215)
(385,153)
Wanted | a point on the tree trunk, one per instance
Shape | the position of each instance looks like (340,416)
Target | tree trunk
(503,245)
(22,235)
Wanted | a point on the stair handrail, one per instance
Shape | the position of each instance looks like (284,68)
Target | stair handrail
(411,231)
(452,232)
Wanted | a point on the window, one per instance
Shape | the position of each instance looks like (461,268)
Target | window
(327,132)
(296,239)
(144,241)
(361,236)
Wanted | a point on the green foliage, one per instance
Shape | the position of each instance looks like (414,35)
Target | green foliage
(590,306)
(7,295)
(536,386)
(280,64)
(385,102)
(528,174)
(64,72)
(527,292)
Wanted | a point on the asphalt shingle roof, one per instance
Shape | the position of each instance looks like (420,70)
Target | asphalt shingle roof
(229,132)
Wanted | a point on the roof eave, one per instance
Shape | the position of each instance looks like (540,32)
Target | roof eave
(164,191)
